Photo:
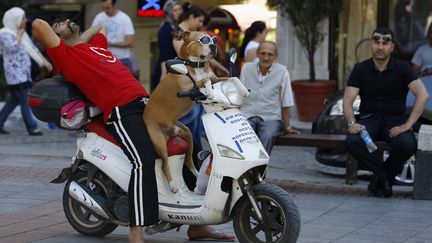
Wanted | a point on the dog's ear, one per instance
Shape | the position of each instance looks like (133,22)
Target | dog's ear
(183,36)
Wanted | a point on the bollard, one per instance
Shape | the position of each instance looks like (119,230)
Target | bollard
(423,165)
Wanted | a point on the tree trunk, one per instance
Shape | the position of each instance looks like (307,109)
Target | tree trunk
(311,65)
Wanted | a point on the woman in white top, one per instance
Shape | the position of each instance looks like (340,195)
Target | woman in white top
(422,58)
(17,49)
(254,35)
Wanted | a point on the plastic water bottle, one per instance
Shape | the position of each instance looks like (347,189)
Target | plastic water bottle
(370,145)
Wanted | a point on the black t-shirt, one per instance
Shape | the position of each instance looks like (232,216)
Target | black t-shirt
(166,52)
(382,92)
(165,39)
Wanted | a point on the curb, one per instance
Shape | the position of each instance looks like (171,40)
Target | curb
(37,155)
(345,190)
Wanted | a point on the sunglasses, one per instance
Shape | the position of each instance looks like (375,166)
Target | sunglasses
(384,38)
(205,40)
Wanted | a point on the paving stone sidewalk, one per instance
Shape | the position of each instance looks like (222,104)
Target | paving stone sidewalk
(31,208)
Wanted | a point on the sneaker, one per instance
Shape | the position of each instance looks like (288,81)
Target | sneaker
(36,132)
(2,131)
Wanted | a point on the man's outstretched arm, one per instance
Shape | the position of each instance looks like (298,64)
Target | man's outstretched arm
(44,34)
(90,32)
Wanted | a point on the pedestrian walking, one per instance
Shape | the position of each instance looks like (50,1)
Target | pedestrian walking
(17,48)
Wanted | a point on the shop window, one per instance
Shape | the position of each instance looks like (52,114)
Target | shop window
(409,19)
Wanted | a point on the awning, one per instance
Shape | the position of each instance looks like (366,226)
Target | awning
(246,14)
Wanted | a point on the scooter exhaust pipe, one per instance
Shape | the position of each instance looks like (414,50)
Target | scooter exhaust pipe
(79,194)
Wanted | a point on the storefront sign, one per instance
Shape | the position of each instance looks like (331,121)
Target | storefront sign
(151,8)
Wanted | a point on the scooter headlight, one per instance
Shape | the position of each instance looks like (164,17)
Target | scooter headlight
(229,153)
(337,108)
(230,91)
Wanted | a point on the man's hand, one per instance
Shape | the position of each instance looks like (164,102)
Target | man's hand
(47,65)
(290,130)
(355,128)
(20,33)
(127,43)
(398,130)
(91,32)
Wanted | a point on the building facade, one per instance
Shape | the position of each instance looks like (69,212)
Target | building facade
(348,35)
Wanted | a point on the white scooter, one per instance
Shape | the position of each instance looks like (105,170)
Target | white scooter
(95,197)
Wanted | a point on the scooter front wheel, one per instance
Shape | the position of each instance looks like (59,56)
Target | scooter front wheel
(280,217)
(82,219)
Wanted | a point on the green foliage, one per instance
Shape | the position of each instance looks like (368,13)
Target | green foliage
(305,16)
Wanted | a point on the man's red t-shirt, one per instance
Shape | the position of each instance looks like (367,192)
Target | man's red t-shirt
(99,75)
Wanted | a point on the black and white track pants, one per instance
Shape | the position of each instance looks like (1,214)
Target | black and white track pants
(126,124)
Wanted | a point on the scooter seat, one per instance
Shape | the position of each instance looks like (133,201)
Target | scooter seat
(97,126)
(176,145)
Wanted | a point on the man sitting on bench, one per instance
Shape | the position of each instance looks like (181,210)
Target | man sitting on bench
(383,83)
(267,107)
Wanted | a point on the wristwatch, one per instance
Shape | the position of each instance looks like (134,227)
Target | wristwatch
(351,123)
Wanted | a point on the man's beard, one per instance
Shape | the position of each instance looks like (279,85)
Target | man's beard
(381,56)
(71,29)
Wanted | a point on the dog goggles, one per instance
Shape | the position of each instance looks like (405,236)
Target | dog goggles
(384,38)
(205,40)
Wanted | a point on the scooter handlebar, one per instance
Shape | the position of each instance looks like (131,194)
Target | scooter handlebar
(193,94)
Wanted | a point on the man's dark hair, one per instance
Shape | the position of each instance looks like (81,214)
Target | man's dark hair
(55,21)
(113,2)
(384,31)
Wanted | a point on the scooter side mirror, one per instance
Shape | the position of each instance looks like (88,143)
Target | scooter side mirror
(232,53)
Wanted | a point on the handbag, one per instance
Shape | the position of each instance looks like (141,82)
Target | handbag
(74,114)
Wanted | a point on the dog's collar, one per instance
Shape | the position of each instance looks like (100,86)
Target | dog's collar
(193,64)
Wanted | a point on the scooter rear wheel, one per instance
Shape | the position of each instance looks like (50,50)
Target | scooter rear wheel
(281,218)
(82,219)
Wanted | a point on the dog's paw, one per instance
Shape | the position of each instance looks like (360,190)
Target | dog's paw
(209,94)
(195,172)
(173,188)
(243,91)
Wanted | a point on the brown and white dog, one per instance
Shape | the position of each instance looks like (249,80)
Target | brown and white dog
(164,107)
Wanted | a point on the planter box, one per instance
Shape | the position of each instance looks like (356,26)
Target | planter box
(310,97)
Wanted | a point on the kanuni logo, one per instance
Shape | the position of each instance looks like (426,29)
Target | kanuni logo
(184,217)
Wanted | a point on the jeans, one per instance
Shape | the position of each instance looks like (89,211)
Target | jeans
(267,131)
(18,96)
(194,122)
